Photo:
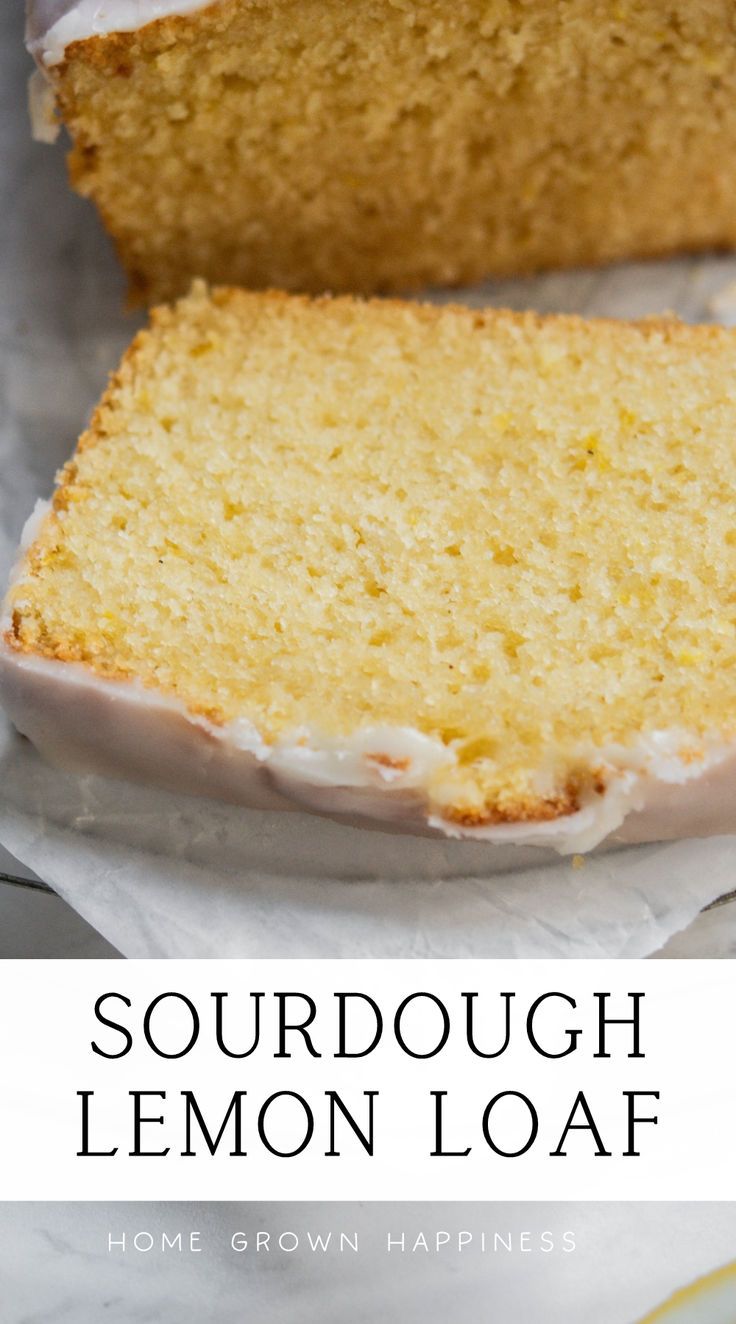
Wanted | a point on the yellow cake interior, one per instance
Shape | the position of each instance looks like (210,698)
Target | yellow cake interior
(393,144)
(513,534)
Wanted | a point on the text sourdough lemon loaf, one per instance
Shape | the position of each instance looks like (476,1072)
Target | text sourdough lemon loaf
(389,144)
(475,571)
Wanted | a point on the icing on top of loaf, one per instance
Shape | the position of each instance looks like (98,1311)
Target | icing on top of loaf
(52,25)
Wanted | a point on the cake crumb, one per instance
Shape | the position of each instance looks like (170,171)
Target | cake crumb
(722,306)
(315,529)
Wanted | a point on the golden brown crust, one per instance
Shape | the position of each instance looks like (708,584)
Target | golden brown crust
(112,53)
(387,761)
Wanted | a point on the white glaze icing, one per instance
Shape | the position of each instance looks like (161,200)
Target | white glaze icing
(52,25)
(119,728)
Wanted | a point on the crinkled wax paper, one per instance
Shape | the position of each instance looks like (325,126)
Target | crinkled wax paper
(164,875)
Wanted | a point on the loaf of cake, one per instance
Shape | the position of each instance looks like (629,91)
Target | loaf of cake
(472,573)
(385,145)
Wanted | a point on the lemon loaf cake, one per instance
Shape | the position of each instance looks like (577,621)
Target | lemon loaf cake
(471,572)
(392,144)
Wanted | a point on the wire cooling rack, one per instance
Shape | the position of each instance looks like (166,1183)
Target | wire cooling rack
(36,885)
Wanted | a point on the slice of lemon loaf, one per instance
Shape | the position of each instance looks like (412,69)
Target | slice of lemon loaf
(393,144)
(470,571)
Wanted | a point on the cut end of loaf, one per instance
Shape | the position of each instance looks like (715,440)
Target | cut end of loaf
(510,534)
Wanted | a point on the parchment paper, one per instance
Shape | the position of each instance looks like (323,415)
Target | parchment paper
(161,875)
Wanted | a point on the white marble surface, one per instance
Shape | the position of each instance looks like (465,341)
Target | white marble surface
(55,1267)
(165,876)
